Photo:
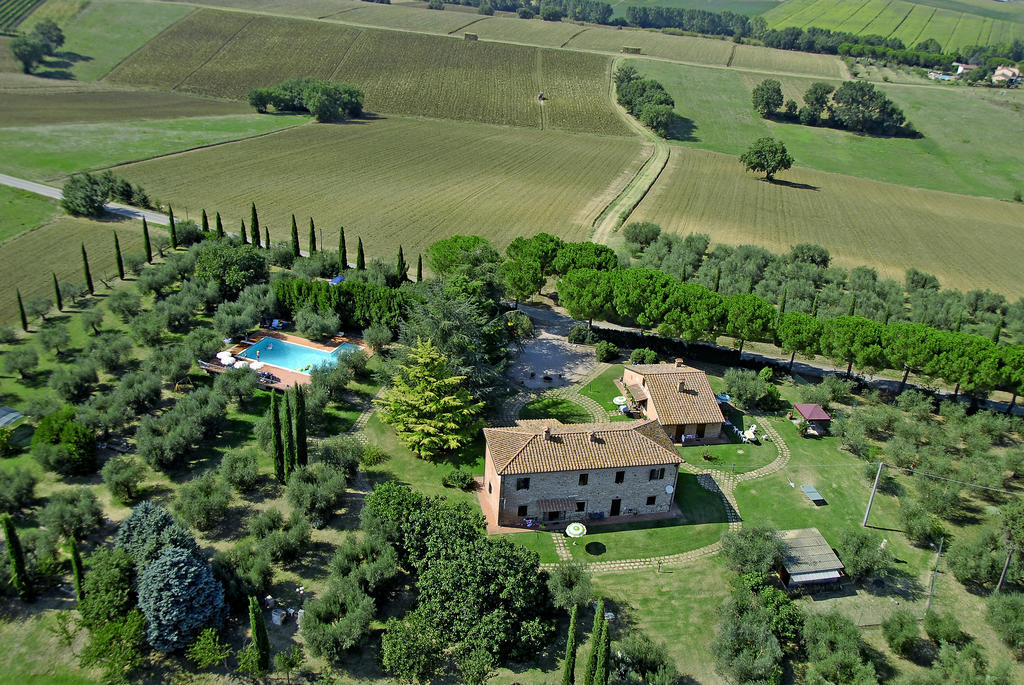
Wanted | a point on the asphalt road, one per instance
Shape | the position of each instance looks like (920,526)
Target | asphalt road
(56,194)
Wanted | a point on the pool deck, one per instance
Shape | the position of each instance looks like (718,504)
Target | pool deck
(289,378)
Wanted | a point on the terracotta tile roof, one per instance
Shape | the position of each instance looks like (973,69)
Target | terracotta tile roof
(695,404)
(523,449)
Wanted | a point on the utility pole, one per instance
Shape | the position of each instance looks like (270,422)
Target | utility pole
(871,500)
(935,572)
(1006,566)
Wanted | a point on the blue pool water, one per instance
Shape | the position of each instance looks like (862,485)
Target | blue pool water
(295,357)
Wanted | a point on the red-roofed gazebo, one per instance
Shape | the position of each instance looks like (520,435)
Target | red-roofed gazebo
(812,412)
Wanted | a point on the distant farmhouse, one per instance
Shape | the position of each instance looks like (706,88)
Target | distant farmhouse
(1006,73)
(550,471)
(679,397)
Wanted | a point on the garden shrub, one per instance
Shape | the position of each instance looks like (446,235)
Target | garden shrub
(457,478)
(17,489)
(643,355)
(745,387)
(337,620)
(373,456)
(108,586)
(244,571)
(901,632)
(179,596)
(72,513)
(861,553)
(606,351)
(203,501)
(921,528)
(240,469)
(265,522)
(150,529)
(123,476)
(753,549)
(1006,615)
(343,452)
(582,334)
(316,491)
(75,382)
(287,544)
(943,627)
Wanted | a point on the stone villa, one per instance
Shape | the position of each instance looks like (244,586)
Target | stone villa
(679,397)
(550,471)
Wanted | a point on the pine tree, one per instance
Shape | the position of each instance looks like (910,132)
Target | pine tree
(342,250)
(401,268)
(145,241)
(117,254)
(312,237)
(21,312)
(19,576)
(569,665)
(220,226)
(206,223)
(419,268)
(360,258)
(300,426)
(241,232)
(275,416)
(603,652)
(56,293)
(266,237)
(595,643)
(259,633)
(254,226)
(295,239)
(76,569)
(85,269)
(174,232)
(289,437)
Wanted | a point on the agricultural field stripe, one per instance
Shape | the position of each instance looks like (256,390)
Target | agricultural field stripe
(216,52)
(344,56)
(920,33)
(910,9)
(571,37)
(464,26)
(156,37)
(873,19)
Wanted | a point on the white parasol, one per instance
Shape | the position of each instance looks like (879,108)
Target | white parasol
(227,361)
(241,364)
(256,365)
(576,530)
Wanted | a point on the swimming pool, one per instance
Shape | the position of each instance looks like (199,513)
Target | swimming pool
(295,357)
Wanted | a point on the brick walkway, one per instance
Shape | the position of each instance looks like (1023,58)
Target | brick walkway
(510,411)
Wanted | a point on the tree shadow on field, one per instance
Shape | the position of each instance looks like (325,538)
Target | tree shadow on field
(682,129)
(57,74)
(71,57)
(791,184)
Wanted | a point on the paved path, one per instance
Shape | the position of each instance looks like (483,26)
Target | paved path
(57,194)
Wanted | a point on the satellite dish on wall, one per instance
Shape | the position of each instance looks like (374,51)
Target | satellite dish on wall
(669,489)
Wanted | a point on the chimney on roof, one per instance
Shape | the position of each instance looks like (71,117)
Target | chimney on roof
(547,433)
(682,385)
(679,362)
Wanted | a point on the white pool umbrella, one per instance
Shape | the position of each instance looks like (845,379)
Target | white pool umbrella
(256,365)
(225,353)
(227,361)
(241,364)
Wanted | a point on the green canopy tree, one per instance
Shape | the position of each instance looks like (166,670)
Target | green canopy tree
(767,155)
(429,409)
(748,317)
(693,313)
(797,332)
(301,443)
(522,278)
(586,294)
(21,311)
(86,272)
(767,97)
(401,266)
(569,665)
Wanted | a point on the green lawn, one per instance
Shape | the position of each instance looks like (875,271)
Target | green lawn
(602,389)
(22,211)
(716,106)
(556,408)
(537,540)
(702,523)
(56,150)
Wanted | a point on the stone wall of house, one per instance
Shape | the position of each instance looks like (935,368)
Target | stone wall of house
(491,486)
(597,494)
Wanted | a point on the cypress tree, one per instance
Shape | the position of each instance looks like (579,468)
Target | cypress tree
(419,268)
(289,437)
(254,225)
(998,330)
(241,232)
(888,313)
(145,241)
(275,417)
(814,305)
(853,305)
(300,426)
(220,226)
(360,258)
(85,269)
(117,254)
(959,322)
(595,643)
(342,250)
(718,278)
(782,303)
(206,223)
(295,239)
(21,312)
(76,569)
(174,232)
(401,268)
(312,237)
(603,652)
(19,576)
(569,665)
(259,633)
(266,237)
(56,293)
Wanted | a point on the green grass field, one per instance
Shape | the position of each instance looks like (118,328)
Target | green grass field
(953,23)
(889,227)
(748,7)
(102,33)
(229,53)
(55,150)
(556,408)
(403,181)
(958,158)
(106,104)
(23,211)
